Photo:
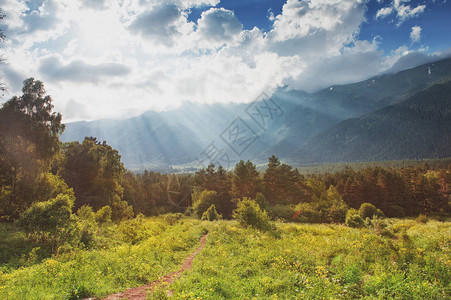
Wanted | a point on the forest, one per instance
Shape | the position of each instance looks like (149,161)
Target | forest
(62,204)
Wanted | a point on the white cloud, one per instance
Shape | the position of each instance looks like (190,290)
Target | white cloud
(402,11)
(384,12)
(415,34)
(219,25)
(102,59)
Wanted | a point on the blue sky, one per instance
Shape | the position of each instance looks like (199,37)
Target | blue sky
(117,58)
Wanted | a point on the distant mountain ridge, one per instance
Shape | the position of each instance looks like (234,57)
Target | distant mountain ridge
(419,127)
(305,126)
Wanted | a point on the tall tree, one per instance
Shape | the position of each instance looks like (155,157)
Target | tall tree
(281,183)
(29,140)
(246,181)
(94,170)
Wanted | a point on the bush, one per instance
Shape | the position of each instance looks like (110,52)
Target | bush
(103,215)
(203,200)
(211,214)
(354,219)
(280,211)
(367,210)
(306,213)
(172,218)
(422,219)
(87,225)
(50,222)
(249,213)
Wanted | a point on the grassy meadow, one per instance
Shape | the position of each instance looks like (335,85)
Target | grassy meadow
(405,259)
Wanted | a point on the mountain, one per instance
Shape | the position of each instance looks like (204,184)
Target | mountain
(286,124)
(418,127)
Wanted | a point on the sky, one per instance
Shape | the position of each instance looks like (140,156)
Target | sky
(105,59)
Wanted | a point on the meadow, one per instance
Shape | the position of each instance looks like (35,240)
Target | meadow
(405,259)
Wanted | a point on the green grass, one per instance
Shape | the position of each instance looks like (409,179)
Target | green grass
(321,262)
(295,261)
(116,267)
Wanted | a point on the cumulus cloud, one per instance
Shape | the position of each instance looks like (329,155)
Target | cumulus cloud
(415,34)
(402,11)
(160,24)
(78,71)
(101,59)
(219,25)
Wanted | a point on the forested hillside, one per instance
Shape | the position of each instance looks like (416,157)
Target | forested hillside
(418,127)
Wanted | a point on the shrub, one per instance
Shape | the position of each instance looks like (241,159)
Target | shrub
(103,215)
(50,222)
(280,211)
(354,219)
(203,200)
(367,210)
(87,225)
(422,219)
(306,213)
(211,214)
(132,230)
(172,218)
(249,213)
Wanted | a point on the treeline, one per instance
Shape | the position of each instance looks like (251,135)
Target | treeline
(35,167)
(289,195)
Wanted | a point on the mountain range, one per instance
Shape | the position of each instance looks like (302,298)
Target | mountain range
(405,115)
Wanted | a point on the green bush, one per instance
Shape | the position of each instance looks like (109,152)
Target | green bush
(306,213)
(211,214)
(50,222)
(172,218)
(354,219)
(367,210)
(248,213)
(422,219)
(203,200)
(87,225)
(284,212)
(103,215)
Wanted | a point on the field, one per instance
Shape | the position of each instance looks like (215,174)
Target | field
(407,259)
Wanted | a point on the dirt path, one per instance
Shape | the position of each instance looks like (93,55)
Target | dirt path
(140,293)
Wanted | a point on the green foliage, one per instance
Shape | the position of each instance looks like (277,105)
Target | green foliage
(319,262)
(103,215)
(211,214)
(307,213)
(172,218)
(50,222)
(395,211)
(87,225)
(422,219)
(249,213)
(354,219)
(368,210)
(203,200)
(112,267)
(281,212)
(94,170)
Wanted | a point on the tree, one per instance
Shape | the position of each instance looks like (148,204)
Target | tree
(94,170)
(29,141)
(246,180)
(281,183)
